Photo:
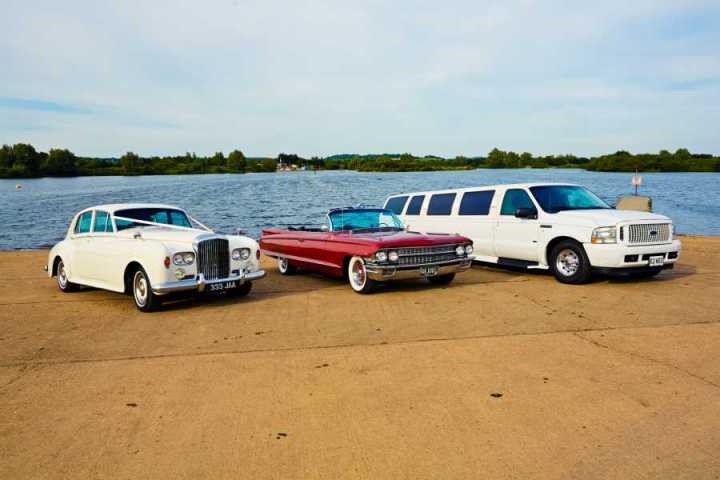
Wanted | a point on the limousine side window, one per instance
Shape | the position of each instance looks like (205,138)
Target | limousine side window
(83,223)
(396,204)
(476,203)
(514,199)
(441,204)
(102,222)
(415,205)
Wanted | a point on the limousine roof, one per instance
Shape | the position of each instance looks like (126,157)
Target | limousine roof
(114,207)
(484,187)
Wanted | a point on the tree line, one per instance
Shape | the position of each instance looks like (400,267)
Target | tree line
(24,161)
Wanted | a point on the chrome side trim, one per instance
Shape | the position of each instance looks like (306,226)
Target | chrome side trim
(273,254)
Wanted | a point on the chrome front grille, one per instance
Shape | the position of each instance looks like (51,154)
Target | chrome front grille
(214,258)
(649,233)
(425,255)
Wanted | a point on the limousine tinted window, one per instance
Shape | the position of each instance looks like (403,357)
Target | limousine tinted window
(441,204)
(515,199)
(396,204)
(476,203)
(415,205)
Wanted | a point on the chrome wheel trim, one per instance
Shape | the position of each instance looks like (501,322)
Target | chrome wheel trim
(283,264)
(358,274)
(567,262)
(62,275)
(140,289)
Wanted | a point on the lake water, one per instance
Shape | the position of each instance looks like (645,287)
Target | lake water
(38,214)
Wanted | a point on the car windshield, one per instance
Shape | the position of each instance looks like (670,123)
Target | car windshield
(368,219)
(555,198)
(166,216)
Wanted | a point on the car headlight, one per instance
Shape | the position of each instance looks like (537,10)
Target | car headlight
(241,254)
(184,258)
(393,256)
(604,235)
(468,249)
(381,256)
(460,250)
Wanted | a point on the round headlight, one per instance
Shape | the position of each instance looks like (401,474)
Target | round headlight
(393,256)
(235,254)
(381,256)
(460,250)
(468,249)
(188,258)
(241,254)
(178,259)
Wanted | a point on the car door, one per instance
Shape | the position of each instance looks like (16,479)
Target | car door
(101,267)
(81,268)
(515,237)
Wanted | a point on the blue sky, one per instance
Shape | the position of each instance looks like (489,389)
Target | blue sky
(321,77)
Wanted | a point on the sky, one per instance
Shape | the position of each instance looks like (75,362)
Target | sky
(322,77)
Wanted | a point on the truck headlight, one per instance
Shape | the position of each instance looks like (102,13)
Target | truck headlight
(460,250)
(604,235)
(184,258)
(393,256)
(240,254)
(381,256)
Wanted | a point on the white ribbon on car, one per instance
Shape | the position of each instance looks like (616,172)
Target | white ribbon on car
(164,225)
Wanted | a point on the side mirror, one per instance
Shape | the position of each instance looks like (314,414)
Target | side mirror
(240,231)
(529,213)
(324,228)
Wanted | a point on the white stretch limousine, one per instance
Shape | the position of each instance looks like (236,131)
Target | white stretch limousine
(565,228)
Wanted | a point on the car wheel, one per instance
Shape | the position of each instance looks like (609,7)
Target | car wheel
(145,299)
(442,279)
(242,290)
(357,275)
(284,266)
(64,284)
(570,264)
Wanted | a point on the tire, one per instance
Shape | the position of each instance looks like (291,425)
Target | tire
(65,285)
(357,276)
(569,263)
(285,268)
(143,296)
(242,290)
(442,279)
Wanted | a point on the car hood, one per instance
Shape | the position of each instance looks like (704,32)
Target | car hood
(607,217)
(400,239)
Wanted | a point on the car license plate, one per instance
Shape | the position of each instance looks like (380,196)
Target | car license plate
(428,271)
(216,287)
(656,261)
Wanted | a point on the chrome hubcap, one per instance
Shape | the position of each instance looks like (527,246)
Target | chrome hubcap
(567,262)
(283,264)
(140,288)
(61,275)
(358,274)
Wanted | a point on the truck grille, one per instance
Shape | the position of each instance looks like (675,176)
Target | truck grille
(214,258)
(425,255)
(649,233)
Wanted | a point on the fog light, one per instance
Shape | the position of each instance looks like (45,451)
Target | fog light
(179,273)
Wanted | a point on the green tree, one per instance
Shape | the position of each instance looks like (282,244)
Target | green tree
(236,162)
(60,163)
(131,163)
(26,161)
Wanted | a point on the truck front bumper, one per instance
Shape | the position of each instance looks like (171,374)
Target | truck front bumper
(383,273)
(199,283)
(628,257)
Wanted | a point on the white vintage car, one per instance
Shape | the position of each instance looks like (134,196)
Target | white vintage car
(150,251)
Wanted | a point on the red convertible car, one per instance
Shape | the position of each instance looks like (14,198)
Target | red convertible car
(368,246)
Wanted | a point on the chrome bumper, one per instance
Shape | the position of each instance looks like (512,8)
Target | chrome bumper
(200,283)
(384,273)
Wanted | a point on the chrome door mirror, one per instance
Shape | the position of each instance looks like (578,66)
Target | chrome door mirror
(324,228)
(240,231)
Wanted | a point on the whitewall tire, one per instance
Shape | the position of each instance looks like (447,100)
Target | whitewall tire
(358,277)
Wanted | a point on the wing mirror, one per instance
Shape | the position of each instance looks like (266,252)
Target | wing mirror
(324,228)
(240,231)
(529,213)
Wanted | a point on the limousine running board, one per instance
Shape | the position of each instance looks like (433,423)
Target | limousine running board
(512,262)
